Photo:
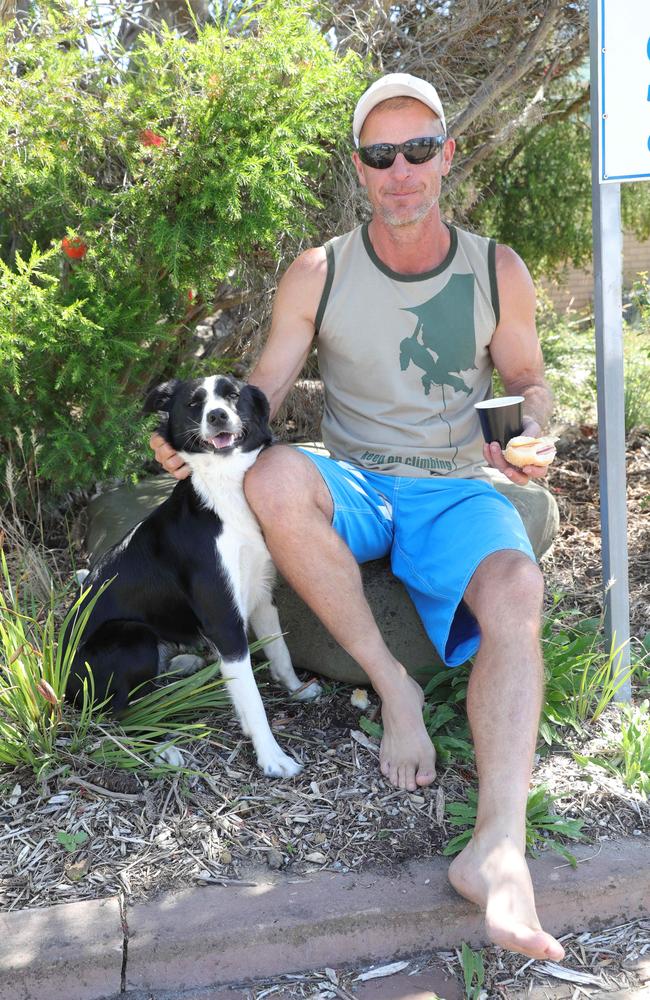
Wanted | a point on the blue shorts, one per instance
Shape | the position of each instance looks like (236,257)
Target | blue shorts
(436,531)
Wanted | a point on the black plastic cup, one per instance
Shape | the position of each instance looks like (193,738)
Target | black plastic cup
(501,418)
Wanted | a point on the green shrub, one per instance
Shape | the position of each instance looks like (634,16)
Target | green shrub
(569,348)
(130,188)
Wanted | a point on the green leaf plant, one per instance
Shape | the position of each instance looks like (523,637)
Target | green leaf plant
(543,825)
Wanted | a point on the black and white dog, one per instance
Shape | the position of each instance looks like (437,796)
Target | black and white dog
(196,569)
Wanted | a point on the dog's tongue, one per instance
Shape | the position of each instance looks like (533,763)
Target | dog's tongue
(222,440)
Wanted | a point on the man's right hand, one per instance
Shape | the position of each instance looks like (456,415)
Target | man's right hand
(170,460)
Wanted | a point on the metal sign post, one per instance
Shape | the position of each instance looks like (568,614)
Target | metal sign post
(620,123)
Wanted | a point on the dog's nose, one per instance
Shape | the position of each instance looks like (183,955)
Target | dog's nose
(217,417)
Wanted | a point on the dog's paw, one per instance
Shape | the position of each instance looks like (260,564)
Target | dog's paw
(310,691)
(279,765)
(169,755)
(185,664)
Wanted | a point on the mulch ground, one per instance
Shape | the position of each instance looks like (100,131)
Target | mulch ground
(339,814)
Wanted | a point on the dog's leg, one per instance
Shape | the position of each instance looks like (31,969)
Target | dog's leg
(248,705)
(265,622)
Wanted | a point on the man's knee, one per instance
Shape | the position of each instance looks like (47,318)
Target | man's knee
(506,584)
(281,482)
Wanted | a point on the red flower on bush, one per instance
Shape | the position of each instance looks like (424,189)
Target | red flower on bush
(150,138)
(74,247)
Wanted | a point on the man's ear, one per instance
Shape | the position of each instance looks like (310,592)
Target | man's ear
(159,398)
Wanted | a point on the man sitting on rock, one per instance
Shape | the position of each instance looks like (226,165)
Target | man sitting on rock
(411,315)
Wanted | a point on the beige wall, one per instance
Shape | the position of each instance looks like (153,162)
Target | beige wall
(576,287)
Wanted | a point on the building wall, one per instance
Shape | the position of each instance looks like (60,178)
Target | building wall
(575,289)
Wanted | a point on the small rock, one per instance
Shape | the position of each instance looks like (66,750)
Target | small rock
(274,859)
(225,857)
(77,870)
(359,699)
(59,800)
(316,858)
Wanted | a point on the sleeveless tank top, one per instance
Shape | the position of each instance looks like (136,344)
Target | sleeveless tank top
(404,357)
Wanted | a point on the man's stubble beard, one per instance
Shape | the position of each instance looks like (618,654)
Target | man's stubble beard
(398,221)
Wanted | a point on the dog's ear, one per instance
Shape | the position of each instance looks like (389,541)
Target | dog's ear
(159,398)
(260,402)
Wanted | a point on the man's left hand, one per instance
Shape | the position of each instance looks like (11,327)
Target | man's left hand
(494,456)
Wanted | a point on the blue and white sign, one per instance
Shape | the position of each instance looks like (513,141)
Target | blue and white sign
(624,90)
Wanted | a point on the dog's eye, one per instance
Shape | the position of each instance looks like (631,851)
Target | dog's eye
(197,399)
(233,395)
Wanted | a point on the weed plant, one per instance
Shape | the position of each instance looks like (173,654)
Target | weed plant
(543,824)
(473,971)
(629,756)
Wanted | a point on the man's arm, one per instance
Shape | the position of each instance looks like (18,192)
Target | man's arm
(292,327)
(517,356)
(289,342)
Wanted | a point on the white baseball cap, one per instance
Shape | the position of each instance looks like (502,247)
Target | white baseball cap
(395,85)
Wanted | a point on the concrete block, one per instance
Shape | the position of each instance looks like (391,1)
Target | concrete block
(68,952)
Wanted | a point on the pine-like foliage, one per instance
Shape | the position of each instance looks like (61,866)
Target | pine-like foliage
(130,187)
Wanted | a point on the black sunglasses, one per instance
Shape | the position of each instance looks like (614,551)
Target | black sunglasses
(381,155)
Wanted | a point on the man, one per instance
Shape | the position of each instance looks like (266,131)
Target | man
(410,316)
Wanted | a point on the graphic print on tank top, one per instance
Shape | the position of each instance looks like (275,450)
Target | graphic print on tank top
(443,343)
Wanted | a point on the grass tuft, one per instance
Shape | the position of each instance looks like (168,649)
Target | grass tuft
(40,731)
(582,678)
(628,757)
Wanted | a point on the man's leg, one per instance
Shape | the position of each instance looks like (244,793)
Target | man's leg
(294,508)
(503,704)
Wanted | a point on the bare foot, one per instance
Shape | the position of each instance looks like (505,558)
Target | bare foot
(406,756)
(494,875)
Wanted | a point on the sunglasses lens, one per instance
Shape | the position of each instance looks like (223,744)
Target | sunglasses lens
(380,156)
(421,150)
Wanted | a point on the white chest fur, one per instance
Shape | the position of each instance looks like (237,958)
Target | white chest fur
(240,547)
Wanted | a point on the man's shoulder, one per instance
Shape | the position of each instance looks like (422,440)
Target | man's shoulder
(307,272)
(509,265)
(310,261)
(302,284)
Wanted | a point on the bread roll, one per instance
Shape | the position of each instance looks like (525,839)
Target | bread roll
(521,451)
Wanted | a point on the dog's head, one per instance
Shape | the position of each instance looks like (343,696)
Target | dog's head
(214,415)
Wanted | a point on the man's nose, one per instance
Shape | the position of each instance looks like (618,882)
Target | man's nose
(400,165)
